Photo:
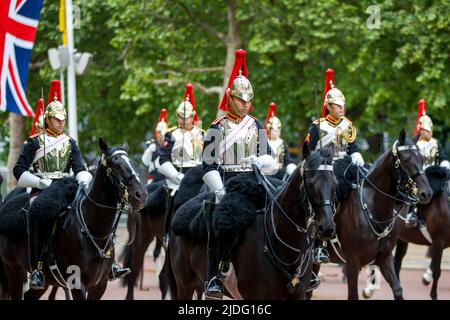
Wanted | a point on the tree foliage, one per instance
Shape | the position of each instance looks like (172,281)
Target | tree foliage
(146,51)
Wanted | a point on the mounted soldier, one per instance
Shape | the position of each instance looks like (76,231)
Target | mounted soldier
(336,129)
(151,153)
(430,148)
(180,151)
(233,143)
(47,156)
(283,160)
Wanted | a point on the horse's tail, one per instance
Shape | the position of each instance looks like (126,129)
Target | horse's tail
(167,278)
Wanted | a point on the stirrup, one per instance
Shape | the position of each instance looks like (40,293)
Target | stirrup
(37,280)
(411,220)
(320,255)
(214,289)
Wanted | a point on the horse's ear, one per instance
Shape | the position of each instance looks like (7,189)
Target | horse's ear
(416,138)
(306,151)
(402,137)
(125,147)
(103,146)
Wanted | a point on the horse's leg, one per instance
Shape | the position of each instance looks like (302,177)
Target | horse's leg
(79,294)
(136,262)
(16,279)
(97,292)
(36,294)
(400,252)
(353,267)
(315,269)
(387,269)
(52,294)
(436,258)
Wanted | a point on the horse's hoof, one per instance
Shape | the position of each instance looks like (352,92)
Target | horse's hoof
(427,277)
(367,293)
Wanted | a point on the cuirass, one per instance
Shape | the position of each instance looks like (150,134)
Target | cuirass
(187,148)
(244,146)
(56,159)
(341,135)
(277,147)
(430,151)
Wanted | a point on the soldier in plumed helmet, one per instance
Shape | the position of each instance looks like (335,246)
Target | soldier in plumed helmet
(233,143)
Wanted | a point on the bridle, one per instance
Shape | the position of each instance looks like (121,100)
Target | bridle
(122,205)
(304,252)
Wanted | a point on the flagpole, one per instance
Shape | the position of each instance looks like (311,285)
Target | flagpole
(71,82)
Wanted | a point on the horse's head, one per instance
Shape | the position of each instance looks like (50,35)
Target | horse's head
(408,169)
(320,187)
(122,175)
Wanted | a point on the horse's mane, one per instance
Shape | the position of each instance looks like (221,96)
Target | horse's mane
(375,164)
(319,157)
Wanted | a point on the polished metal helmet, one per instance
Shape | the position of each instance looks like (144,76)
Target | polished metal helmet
(274,123)
(242,88)
(185,109)
(55,109)
(334,95)
(426,123)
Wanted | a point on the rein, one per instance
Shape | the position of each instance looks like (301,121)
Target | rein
(408,199)
(304,254)
(122,205)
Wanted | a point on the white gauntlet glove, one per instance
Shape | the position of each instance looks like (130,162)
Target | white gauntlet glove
(290,168)
(357,159)
(214,181)
(84,178)
(445,164)
(265,163)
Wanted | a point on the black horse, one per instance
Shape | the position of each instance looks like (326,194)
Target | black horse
(436,215)
(83,241)
(272,257)
(366,220)
(144,227)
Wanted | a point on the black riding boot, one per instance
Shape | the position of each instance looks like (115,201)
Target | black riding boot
(320,253)
(167,217)
(37,240)
(214,284)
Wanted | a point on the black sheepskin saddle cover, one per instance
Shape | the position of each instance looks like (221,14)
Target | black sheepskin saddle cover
(189,188)
(235,213)
(345,173)
(50,203)
(438,177)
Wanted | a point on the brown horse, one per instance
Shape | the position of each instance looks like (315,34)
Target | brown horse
(144,227)
(272,257)
(436,216)
(365,220)
(82,241)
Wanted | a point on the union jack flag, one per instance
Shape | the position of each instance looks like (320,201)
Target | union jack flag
(18,24)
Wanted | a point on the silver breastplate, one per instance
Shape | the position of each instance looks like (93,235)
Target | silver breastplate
(187,148)
(430,152)
(341,135)
(277,147)
(55,160)
(244,146)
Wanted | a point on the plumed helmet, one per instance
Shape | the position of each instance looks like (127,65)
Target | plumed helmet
(55,108)
(423,120)
(331,93)
(272,121)
(187,108)
(242,88)
(38,122)
(238,85)
(162,125)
